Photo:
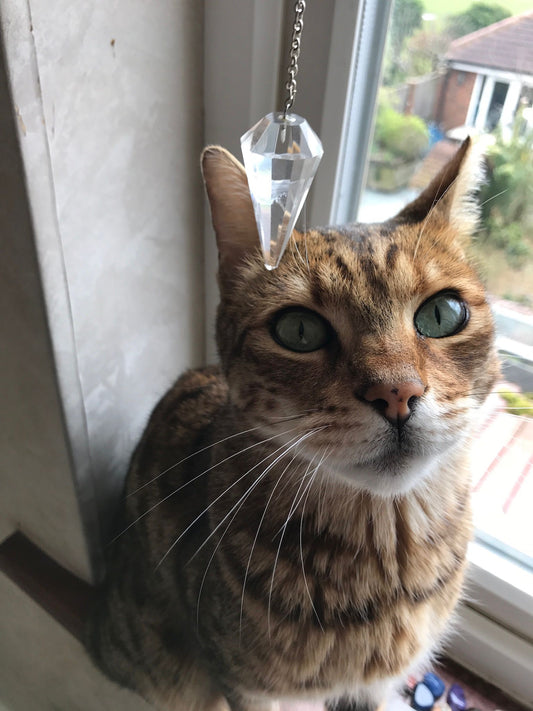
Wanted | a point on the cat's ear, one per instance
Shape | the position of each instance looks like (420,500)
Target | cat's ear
(232,211)
(449,198)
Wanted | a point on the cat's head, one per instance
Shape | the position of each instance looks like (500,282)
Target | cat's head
(372,343)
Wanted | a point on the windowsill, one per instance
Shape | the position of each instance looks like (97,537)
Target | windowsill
(492,653)
(60,593)
(503,586)
(493,626)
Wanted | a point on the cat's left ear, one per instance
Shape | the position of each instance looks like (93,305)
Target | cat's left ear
(450,197)
(232,211)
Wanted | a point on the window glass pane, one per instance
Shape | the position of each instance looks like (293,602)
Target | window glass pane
(451,70)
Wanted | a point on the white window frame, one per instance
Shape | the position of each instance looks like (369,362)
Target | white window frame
(494,628)
(486,78)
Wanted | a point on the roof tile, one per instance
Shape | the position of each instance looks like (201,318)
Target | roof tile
(506,45)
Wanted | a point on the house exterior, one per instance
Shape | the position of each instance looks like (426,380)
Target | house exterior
(489,75)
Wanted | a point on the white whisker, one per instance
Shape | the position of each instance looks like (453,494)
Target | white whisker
(297,250)
(214,502)
(206,471)
(308,489)
(257,534)
(292,442)
(194,454)
(292,509)
(493,197)
(241,502)
(214,444)
(426,219)
(232,519)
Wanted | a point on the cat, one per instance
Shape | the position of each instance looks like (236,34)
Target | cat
(296,519)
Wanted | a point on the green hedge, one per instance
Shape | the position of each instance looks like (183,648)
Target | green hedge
(399,135)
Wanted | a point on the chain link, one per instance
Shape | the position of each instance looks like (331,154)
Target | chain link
(292,69)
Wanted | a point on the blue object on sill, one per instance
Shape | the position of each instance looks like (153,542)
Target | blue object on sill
(456,698)
(422,698)
(435,134)
(434,684)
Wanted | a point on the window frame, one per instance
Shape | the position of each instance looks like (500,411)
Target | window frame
(492,625)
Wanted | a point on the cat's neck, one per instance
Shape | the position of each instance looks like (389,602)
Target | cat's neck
(262,470)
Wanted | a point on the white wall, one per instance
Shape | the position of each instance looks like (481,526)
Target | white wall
(108,99)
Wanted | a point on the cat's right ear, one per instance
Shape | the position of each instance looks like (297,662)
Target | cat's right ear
(450,197)
(232,211)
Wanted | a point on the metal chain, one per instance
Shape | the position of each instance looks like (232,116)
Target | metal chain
(292,70)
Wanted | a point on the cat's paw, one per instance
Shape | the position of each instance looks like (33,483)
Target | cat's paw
(347,704)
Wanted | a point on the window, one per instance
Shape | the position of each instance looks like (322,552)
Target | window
(421,60)
(338,89)
(441,82)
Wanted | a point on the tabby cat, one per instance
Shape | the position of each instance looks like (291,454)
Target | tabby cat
(296,519)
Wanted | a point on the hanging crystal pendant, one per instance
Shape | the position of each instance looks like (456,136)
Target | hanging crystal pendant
(281,155)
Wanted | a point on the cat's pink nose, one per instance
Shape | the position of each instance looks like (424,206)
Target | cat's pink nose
(394,401)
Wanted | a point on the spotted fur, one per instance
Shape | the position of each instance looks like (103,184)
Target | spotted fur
(281,538)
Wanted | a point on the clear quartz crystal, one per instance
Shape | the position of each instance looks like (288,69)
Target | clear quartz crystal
(281,156)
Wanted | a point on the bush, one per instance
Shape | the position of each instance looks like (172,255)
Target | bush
(507,197)
(400,136)
(509,237)
(510,172)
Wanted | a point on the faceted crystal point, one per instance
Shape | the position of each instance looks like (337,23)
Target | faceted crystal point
(281,156)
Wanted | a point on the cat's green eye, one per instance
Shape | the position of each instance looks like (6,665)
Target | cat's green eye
(300,330)
(442,315)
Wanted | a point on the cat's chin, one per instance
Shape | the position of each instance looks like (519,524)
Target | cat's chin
(396,467)
(389,476)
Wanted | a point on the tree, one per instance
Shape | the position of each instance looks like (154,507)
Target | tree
(423,51)
(477,16)
(406,18)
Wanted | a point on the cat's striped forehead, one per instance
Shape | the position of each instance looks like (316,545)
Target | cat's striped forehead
(373,268)
(372,254)
(365,260)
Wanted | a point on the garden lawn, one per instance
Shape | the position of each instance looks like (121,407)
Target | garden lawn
(452,7)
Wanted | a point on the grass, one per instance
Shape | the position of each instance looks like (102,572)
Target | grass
(518,403)
(452,7)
